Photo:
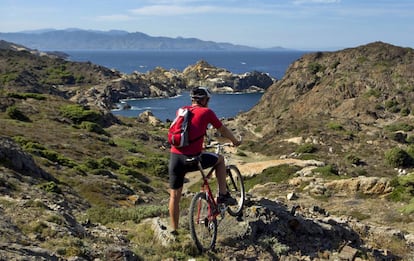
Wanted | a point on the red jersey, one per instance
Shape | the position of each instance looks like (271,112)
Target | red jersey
(202,117)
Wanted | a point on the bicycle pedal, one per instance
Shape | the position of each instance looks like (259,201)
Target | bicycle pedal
(222,207)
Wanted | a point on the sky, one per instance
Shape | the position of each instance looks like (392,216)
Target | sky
(297,24)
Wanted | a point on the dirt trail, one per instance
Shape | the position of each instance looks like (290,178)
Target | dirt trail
(251,168)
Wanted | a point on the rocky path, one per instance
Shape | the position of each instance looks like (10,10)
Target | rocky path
(254,167)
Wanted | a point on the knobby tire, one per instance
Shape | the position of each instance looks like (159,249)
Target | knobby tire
(235,186)
(203,231)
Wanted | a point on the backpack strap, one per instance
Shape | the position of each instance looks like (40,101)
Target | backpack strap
(191,108)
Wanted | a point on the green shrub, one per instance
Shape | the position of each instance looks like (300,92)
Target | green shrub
(306,148)
(90,164)
(21,140)
(403,188)
(410,150)
(326,171)
(409,209)
(353,159)
(8,77)
(106,215)
(314,68)
(335,126)
(405,112)
(362,59)
(397,136)
(133,173)
(15,114)
(136,162)
(101,172)
(50,187)
(41,151)
(59,75)
(397,157)
(98,167)
(392,106)
(154,165)
(78,114)
(92,127)
(276,174)
(373,92)
(241,153)
(23,96)
(108,163)
(399,127)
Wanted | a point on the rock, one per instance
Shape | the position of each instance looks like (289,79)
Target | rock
(20,161)
(148,117)
(365,185)
(161,232)
(348,253)
(120,254)
(291,196)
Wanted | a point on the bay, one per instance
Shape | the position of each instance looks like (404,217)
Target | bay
(274,63)
(224,105)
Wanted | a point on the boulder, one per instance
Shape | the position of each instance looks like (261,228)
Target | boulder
(18,160)
(148,117)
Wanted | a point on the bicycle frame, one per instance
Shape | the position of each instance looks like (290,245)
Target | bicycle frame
(213,209)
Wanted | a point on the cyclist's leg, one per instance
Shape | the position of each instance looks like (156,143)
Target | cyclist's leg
(176,171)
(221,175)
(209,159)
(174,207)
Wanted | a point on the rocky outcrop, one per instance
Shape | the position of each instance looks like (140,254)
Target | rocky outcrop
(168,83)
(221,80)
(16,159)
(272,230)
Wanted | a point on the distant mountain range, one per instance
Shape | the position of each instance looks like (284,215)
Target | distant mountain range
(77,39)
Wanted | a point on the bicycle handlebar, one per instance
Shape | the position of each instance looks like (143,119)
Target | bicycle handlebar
(217,145)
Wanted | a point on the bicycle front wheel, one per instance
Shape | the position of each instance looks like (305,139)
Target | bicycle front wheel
(203,227)
(235,186)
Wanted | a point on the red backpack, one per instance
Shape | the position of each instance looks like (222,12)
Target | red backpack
(178,132)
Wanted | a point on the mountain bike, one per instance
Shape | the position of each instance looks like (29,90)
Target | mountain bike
(204,210)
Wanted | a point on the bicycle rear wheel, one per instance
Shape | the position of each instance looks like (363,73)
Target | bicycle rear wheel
(203,230)
(235,186)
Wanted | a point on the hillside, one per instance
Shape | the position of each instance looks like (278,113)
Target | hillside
(355,102)
(77,39)
(27,70)
(78,183)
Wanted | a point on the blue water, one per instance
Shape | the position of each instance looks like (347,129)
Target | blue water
(225,105)
(274,63)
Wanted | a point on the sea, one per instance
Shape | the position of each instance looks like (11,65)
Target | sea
(275,63)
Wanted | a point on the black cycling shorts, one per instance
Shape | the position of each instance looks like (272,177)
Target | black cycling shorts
(178,167)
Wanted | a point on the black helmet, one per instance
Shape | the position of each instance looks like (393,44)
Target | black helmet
(200,93)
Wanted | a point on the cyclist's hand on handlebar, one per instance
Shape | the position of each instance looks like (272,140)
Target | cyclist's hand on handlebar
(237,143)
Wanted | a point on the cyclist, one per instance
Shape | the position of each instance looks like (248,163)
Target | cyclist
(202,117)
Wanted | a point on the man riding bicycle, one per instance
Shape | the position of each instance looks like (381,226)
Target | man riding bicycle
(202,117)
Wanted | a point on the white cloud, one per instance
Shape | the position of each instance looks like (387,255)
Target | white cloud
(169,10)
(172,10)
